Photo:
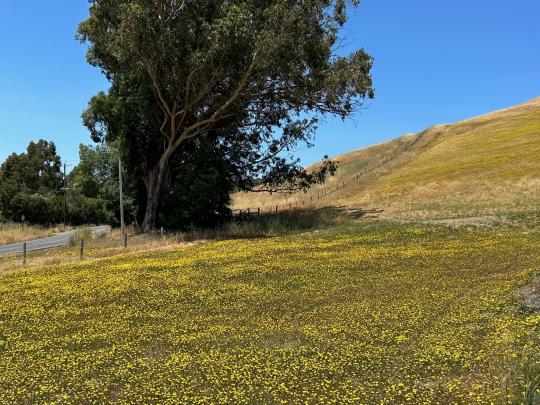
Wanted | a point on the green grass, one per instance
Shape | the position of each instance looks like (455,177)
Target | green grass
(373,312)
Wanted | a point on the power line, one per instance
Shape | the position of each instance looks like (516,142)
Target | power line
(7,139)
(5,135)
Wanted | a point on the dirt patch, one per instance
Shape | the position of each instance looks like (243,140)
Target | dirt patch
(530,294)
(468,221)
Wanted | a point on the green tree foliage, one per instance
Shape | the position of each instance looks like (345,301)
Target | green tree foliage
(92,187)
(94,195)
(254,77)
(198,188)
(30,185)
(122,115)
(94,176)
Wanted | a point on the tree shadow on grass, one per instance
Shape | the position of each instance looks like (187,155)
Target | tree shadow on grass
(258,224)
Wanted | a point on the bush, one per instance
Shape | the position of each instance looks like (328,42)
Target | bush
(36,208)
(84,210)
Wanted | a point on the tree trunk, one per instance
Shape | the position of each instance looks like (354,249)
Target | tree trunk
(154,184)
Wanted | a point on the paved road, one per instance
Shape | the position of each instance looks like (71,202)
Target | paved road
(58,240)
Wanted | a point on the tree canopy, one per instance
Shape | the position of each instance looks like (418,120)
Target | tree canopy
(250,78)
(30,184)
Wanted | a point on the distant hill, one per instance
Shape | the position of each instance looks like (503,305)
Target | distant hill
(487,165)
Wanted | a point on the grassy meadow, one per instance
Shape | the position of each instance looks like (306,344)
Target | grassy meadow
(364,312)
(112,244)
(413,276)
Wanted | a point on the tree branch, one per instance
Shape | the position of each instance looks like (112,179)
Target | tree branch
(194,129)
(155,85)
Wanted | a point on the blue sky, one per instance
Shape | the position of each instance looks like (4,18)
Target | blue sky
(436,62)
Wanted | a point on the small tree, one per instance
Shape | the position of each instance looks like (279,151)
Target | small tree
(257,74)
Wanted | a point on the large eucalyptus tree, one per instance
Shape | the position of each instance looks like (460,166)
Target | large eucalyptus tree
(257,74)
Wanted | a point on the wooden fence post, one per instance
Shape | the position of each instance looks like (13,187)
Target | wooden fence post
(24,254)
(162,233)
(81,251)
(125,241)
(277,206)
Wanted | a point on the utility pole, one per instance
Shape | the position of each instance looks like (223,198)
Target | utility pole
(65,195)
(65,190)
(122,225)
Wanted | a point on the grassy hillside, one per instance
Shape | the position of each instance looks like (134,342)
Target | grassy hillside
(488,165)
(365,313)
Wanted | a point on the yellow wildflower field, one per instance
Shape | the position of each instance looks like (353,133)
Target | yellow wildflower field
(361,313)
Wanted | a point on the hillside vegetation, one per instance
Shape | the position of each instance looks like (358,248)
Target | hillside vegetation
(485,166)
(362,313)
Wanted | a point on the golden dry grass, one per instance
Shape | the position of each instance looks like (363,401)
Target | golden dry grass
(13,233)
(488,165)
